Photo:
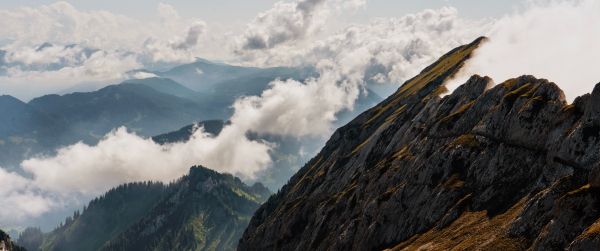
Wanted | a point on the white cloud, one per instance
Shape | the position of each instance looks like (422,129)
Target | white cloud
(120,44)
(80,172)
(300,109)
(61,23)
(387,50)
(143,75)
(289,22)
(123,157)
(400,47)
(284,22)
(557,40)
(99,67)
(20,199)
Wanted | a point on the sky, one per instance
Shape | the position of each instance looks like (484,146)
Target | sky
(351,43)
(145,33)
(235,11)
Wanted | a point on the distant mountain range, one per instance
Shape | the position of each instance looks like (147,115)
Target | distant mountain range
(157,106)
(203,210)
(148,107)
(208,77)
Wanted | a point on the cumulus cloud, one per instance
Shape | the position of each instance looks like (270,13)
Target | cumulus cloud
(176,50)
(290,21)
(23,198)
(61,23)
(122,157)
(556,40)
(125,157)
(285,21)
(290,107)
(30,80)
(384,51)
(393,44)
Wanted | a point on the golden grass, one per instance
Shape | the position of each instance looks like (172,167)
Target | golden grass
(403,153)
(582,189)
(443,66)
(467,140)
(307,177)
(454,182)
(521,91)
(462,109)
(594,229)
(395,114)
(471,231)
(357,148)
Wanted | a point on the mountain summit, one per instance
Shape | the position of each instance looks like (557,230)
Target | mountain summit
(508,167)
(203,210)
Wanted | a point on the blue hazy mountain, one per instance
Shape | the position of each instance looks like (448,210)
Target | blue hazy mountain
(167,86)
(24,130)
(199,91)
(19,117)
(52,121)
(136,106)
(213,127)
(209,77)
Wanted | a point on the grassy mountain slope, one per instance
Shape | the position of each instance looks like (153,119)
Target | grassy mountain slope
(105,217)
(203,210)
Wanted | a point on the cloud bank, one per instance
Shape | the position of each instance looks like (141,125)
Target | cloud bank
(80,172)
(557,40)
(84,47)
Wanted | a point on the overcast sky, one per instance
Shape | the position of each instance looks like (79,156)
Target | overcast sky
(240,11)
(133,34)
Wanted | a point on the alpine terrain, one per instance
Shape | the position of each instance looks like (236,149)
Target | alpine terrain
(510,166)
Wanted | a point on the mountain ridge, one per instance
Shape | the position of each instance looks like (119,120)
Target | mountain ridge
(508,167)
(203,210)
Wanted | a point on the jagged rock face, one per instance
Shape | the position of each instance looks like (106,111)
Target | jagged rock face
(502,167)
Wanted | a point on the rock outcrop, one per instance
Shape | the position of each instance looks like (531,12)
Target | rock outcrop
(510,166)
(6,244)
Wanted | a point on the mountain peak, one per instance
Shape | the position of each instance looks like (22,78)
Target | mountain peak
(204,210)
(513,163)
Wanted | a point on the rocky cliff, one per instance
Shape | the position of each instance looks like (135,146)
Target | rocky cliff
(510,166)
(6,244)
